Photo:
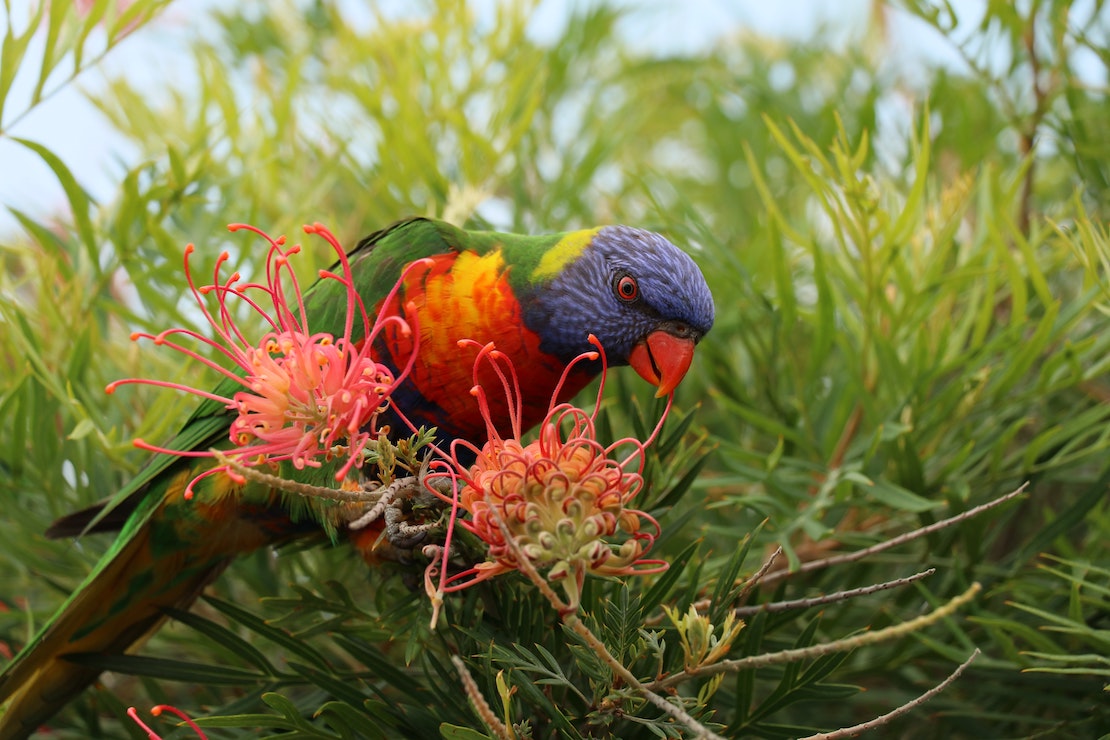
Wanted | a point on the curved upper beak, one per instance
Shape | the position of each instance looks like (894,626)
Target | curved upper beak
(662,359)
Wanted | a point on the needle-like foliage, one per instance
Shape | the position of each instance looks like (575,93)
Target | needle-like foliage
(910,263)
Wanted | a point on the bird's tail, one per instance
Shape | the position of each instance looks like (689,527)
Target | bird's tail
(121,603)
(160,561)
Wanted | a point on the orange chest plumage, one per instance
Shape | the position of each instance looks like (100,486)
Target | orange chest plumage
(467,296)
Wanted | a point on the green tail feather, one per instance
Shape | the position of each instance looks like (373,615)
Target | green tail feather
(163,559)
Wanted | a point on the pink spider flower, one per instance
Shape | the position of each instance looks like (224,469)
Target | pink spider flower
(562,498)
(304,397)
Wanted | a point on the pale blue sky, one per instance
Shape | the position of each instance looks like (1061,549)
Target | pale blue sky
(72,128)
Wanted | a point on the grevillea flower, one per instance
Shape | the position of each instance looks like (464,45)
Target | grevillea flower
(304,397)
(560,501)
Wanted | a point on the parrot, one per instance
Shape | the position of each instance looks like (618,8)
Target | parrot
(537,297)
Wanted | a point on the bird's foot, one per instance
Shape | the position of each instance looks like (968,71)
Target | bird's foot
(395,505)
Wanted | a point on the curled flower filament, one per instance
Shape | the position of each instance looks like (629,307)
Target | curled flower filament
(303,396)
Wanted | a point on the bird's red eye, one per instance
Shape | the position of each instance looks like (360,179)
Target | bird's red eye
(627,288)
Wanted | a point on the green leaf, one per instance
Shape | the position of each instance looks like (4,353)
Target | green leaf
(225,637)
(666,581)
(172,670)
(896,497)
(455,732)
(12,50)
(83,429)
(59,13)
(275,635)
(79,201)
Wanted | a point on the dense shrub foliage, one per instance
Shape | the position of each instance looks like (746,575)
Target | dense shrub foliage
(912,272)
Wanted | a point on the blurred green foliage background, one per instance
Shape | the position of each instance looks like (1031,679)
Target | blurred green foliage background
(911,273)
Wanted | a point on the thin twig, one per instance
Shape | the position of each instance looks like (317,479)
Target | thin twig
(847,435)
(675,711)
(1029,132)
(908,706)
(761,574)
(817,651)
(895,541)
(481,706)
(571,620)
(783,606)
(758,576)
(746,589)
(301,489)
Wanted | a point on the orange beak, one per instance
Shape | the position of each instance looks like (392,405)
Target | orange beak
(662,359)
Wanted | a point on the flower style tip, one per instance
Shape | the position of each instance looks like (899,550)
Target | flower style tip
(304,397)
(561,502)
(157,712)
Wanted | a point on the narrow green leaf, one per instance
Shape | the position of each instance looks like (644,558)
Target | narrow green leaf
(92,17)
(12,50)
(59,13)
(171,670)
(896,497)
(79,201)
(677,490)
(225,637)
(663,584)
(82,430)
(341,688)
(275,635)
(727,586)
(455,732)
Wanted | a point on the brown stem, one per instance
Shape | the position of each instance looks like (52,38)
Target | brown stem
(570,618)
(846,437)
(884,719)
(783,606)
(826,648)
(895,541)
(481,706)
(361,496)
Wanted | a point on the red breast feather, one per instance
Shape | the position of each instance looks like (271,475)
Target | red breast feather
(468,296)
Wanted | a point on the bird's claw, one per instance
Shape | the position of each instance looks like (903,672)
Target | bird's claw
(393,507)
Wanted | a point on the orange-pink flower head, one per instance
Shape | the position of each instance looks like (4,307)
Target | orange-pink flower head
(303,397)
(558,501)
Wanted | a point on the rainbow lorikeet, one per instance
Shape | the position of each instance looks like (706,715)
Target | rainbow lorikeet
(537,298)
